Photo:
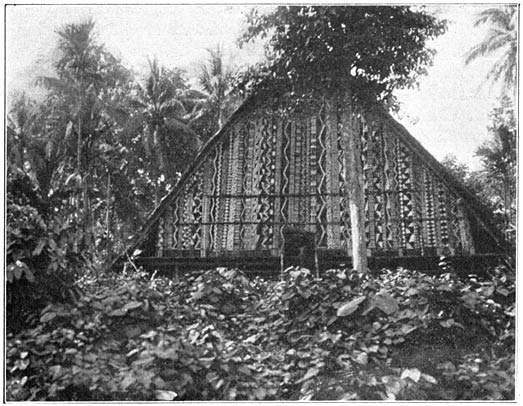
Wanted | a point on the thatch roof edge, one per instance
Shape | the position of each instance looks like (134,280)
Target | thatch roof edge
(478,208)
(481,212)
(155,214)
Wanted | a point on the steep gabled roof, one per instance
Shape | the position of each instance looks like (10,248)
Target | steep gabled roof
(156,213)
(481,212)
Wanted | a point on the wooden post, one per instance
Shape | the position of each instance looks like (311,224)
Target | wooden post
(316,263)
(354,186)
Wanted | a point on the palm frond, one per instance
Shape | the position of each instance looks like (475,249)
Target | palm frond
(52,83)
(120,115)
(501,17)
(199,110)
(504,68)
(193,94)
(501,37)
(175,122)
(491,44)
(173,107)
(165,93)
(137,104)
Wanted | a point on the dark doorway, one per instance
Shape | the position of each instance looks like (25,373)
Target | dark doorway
(299,249)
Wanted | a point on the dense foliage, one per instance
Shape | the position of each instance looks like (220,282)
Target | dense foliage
(221,335)
(372,50)
(495,183)
(105,143)
(41,267)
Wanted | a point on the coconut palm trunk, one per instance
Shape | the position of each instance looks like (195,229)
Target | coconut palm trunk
(79,241)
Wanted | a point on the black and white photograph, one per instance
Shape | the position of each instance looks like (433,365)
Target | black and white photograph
(260,202)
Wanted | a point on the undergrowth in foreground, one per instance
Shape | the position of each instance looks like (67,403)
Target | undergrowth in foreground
(221,335)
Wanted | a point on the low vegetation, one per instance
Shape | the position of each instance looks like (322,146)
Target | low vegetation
(219,334)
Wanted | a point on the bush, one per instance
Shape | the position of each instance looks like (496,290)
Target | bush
(352,321)
(219,335)
(170,349)
(40,267)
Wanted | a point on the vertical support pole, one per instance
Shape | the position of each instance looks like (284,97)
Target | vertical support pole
(160,241)
(206,205)
(176,274)
(354,186)
(466,239)
(316,263)
(282,260)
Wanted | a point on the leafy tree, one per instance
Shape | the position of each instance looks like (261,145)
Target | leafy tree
(371,49)
(460,170)
(40,268)
(495,183)
(474,180)
(366,51)
(501,40)
(499,157)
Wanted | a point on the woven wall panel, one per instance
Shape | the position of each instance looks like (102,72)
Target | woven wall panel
(321,183)
(277,140)
(345,221)
(270,173)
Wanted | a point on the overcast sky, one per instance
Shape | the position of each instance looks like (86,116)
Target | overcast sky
(448,114)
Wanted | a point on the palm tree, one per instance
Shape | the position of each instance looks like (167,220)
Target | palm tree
(32,145)
(85,75)
(216,80)
(77,85)
(501,38)
(167,139)
(19,122)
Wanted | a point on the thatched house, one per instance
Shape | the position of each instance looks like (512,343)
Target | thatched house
(271,182)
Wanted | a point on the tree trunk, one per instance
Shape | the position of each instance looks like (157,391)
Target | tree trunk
(78,242)
(220,113)
(507,201)
(21,136)
(87,211)
(108,219)
(354,185)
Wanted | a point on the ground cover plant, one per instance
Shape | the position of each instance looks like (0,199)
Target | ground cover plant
(220,334)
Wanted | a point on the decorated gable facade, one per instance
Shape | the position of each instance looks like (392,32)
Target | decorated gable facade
(272,171)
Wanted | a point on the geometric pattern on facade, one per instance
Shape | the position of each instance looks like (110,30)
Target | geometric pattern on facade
(269,173)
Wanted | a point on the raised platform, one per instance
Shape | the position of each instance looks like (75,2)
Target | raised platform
(266,265)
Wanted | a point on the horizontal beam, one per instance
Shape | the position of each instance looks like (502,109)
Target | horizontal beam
(372,192)
(297,223)
(270,264)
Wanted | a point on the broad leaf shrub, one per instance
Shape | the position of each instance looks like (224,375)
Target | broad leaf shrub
(353,322)
(132,338)
(220,335)
(40,267)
